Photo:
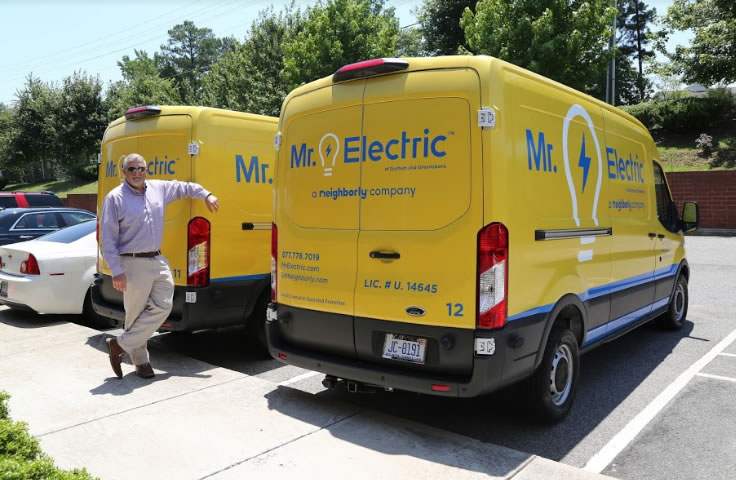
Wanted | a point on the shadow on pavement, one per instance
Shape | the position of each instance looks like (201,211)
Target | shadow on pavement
(394,436)
(609,374)
(25,319)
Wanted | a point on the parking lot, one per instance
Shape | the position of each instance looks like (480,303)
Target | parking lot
(652,404)
(619,381)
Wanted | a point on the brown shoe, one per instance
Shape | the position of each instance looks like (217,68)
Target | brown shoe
(115,352)
(144,370)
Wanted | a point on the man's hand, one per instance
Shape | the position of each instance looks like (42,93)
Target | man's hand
(212,203)
(119,282)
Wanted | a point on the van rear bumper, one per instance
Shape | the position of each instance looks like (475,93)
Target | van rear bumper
(219,304)
(488,373)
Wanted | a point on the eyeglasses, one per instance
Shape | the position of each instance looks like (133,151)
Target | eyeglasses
(136,169)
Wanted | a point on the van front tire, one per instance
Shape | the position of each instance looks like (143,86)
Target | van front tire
(551,389)
(675,316)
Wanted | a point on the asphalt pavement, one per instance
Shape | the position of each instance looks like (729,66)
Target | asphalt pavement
(196,421)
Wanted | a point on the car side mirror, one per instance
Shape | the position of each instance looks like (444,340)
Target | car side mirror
(690,216)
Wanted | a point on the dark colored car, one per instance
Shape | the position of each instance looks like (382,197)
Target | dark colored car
(29,199)
(21,224)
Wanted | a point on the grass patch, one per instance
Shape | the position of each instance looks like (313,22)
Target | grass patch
(60,187)
(21,457)
(679,153)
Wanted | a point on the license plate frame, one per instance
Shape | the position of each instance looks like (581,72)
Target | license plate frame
(4,289)
(405,348)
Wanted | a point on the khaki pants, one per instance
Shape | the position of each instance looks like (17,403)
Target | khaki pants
(147,299)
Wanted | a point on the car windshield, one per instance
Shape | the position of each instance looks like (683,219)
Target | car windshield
(70,234)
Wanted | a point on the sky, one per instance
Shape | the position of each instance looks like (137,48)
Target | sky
(54,38)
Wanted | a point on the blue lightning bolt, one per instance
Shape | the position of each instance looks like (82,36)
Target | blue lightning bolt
(584,163)
(329,149)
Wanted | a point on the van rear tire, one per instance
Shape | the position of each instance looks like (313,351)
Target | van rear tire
(256,327)
(674,317)
(550,391)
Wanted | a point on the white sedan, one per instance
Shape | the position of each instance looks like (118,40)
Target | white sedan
(51,274)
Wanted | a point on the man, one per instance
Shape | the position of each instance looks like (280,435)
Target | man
(131,230)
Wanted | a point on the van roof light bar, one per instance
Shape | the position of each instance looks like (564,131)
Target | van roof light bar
(369,68)
(141,112)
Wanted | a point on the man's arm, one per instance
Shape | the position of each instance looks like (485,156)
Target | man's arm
(109,231)
(174,190)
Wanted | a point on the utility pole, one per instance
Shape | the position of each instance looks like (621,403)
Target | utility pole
(611,77)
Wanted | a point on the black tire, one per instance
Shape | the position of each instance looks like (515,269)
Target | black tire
(676,314)
(256,327)
(550,391)
(91,317)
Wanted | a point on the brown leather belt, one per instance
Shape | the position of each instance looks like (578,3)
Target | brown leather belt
(142,254)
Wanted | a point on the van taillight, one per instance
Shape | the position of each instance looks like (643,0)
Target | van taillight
(30,266)
(493,274)
(198,252)
(274,256)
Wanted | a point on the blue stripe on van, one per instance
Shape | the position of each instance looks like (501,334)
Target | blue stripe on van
(617,324)
(235,279)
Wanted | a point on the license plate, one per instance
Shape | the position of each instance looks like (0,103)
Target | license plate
(3,289)
(404,347)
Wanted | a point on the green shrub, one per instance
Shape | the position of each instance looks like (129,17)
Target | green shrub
(3,183)
(21,457)
(686,114)
(85,171)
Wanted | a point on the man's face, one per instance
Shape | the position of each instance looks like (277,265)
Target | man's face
(137,176)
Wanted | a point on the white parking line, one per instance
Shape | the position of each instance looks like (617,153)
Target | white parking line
(728,354)
(717,377)
(606,455)
(299,378)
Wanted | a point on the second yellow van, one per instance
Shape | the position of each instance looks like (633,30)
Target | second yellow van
(220,262)
(453,225)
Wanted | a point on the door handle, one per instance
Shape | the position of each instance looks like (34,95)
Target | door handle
(386,255)
(652,235)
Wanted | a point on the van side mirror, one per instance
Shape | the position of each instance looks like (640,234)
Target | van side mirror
(690,216)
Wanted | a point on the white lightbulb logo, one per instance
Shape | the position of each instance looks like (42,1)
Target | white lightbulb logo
(578,111)
(329,150)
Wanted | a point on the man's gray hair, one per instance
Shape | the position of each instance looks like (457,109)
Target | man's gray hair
(131,157)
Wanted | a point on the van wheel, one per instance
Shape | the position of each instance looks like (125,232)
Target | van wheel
(256,327)
(675,316)
(551,389)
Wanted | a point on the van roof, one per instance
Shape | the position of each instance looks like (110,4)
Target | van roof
(195,112)
(479,63)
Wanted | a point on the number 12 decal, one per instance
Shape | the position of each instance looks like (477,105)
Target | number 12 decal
(454,309)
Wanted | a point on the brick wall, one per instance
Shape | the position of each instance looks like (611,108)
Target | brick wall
(87,201)
(714,191)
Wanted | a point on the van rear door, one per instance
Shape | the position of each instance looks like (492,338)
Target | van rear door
(318,193)
(421,205)
(163,141)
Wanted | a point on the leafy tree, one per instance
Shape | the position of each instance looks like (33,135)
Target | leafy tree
(187,57)
(249,79)
(34,142)
(440,21)
(627,89)
(141,85)
(81,119)
(337,33)
(711,57)
(634,19)
(410,43)
(563,40)
(7,132)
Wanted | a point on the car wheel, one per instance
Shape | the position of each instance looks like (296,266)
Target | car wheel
(675,316)
(92,318)
(551,389)
(256,326)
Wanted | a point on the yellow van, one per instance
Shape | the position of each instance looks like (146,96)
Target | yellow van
(220,262)
(453,225)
